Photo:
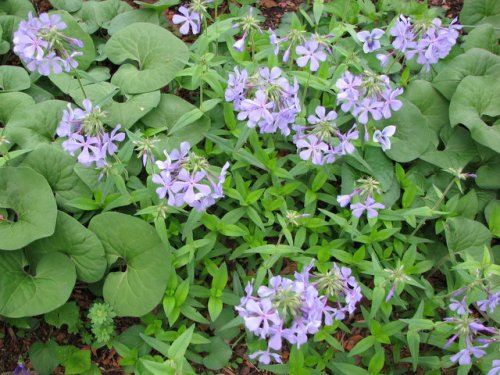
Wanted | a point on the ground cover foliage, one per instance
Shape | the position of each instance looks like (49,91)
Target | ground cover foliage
(323,195)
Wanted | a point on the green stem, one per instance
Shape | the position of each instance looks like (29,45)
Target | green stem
(436,205)
(306,88)
(81,86)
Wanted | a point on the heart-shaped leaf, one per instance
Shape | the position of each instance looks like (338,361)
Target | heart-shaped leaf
(13,78)
(10,102)
(159,55)
(30,126)
(67,5)
(476,97)
(57,166)
(28,195)
(98,14)
(127,18)
(19,8)
(168,113)
(137,289)
(475,62)
(80,244)
(413,135)
(46,287)
(475,11)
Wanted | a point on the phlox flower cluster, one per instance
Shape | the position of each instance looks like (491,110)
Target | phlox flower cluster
(246,23)
(320,141)
(312,49)
(468,327)
(85,131)
(42,46)
(428,42)
(185,178)
(368,95)
(291,310)
(190,16)
(365,193)
(266,100)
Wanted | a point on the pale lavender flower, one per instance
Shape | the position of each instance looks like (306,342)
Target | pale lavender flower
(313,149)
(460,307)
(311,52)
(257,109)
(382,137)
(383,58)
(370,206)
(21,369)
(265,357)
(370,39)
(239,45)
(464,356)
(190,21)
(495,368)
(489,304)
(346,147)
(261,314)
(41,45)
(322,116)
(368,106)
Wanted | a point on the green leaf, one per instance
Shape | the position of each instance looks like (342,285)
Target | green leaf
(170,109)
(30,126)
(158,54)
(482,36)
(136,290)
(362,346)
(74,360)
(122,20)
(68,314)
(430,102)
(98,14)
(13,78)
(475,62)
(488,175)
(70,6)
(11,102)
(74,30)
(475,11)
(57,166)
(29,196)
(347,368)
(28,294)
(492,213)
(80,244)
(43,357)
(414,345)
(219,354)
(466,236)
(178,348)
(377,361)
(19,8)
(474,98)
(412,136)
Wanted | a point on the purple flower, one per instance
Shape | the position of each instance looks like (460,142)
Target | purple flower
(382,137)
(190,21)
(489,304)
(190,186)
(370,205)
(460,307)
(495,368)
(384,59)
(256,109)
(311,52)
(313,149)
(321,116)
(21,369)
(368,106)
(107,145)
(239,45)
(265,357)
(260,316)
(43,48)
(464,356)
(390,102)
(346,147)
(89,146)
(370,39)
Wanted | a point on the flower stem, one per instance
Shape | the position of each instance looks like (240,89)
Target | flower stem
(80,84)
(305,89)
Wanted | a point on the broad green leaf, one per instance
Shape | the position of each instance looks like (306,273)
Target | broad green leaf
(74,360)
(11,102)
(19,8)
(13,78)
(475,62)
(31,125)
(460,149)
(44,288)
(488,175)
(475,98)
(219,354)
(98,14)
(70,6)
(68,314)
(157,53)
(127,18)
(482,36)
(126,113)
(413,135)
(474,11)
(381,167)
(492,213)
(166,115)
(57,166)
(9,24)
(431,104)
(28,195)
(43,357)
(74,30)
(137,289)
(80,244)
(466,236)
